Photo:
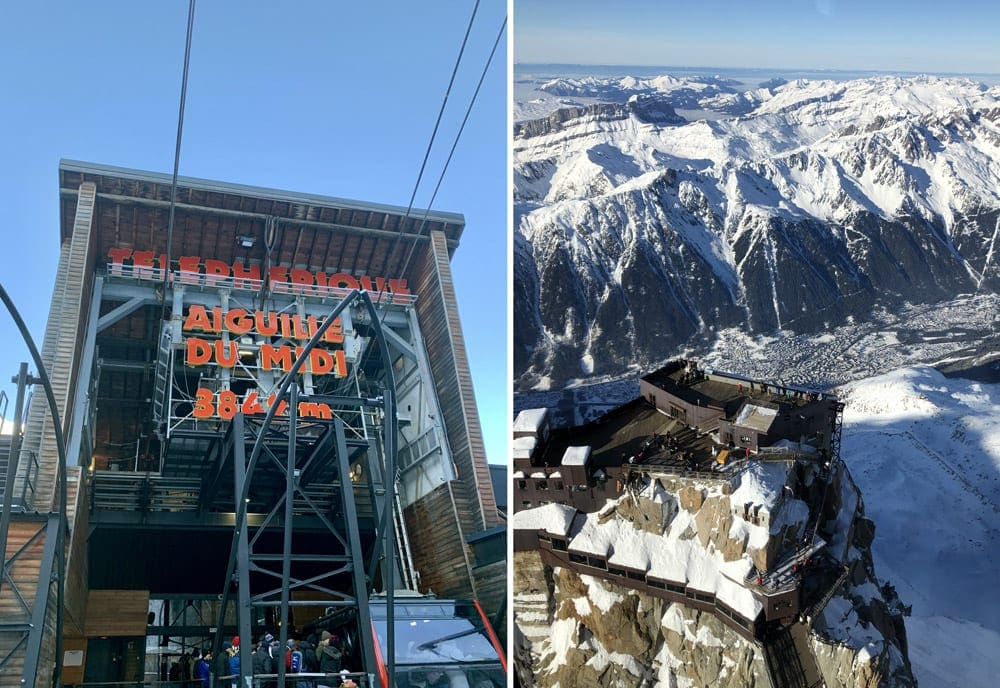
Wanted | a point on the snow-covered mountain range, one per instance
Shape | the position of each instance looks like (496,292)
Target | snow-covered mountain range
(789,208)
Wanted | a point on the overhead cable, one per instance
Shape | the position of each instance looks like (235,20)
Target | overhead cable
(454,144)
(430,144)
(177,154)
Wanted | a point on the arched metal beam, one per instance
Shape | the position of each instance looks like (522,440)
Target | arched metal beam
(34,642)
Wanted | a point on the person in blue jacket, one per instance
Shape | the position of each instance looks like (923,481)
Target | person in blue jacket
(234,660)
(203,669)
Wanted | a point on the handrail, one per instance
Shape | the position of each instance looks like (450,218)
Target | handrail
(30,476)
(199,279)
(837,585)
(113,490)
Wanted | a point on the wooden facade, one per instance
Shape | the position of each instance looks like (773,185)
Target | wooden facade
(439,550)
(116,613)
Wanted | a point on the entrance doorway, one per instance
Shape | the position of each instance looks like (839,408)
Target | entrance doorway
(113,660)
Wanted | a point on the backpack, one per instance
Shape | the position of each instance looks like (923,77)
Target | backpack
(310,662)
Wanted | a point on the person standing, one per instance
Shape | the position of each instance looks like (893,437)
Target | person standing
(184,665)
(330,657)
(221,665)
(310,662)
(202,669)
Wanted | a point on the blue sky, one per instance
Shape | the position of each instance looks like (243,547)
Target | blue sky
(889,35)
(319,97)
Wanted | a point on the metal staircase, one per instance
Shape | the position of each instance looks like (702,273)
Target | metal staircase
(782,659)
(162,374)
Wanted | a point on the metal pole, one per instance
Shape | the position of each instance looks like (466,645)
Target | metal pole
(357,563)
(286,551)
(389,570)
(243,608)
(15,452)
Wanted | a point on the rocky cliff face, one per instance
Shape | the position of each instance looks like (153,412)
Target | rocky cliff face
(578,629)
(638,235)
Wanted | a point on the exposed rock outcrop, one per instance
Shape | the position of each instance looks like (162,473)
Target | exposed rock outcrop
(580,626)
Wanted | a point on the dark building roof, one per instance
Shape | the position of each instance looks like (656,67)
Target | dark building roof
(498,476)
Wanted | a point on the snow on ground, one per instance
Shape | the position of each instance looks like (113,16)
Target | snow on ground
(563,636)
(839,621)
(761,483)
(953,652)
(925,452)
(552,518)
(602,597)
(673,556)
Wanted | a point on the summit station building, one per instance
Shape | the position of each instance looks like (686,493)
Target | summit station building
(165,360)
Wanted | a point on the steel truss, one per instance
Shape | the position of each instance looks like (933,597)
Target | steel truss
(312,452)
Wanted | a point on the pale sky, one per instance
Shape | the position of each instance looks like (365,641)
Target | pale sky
(960,36)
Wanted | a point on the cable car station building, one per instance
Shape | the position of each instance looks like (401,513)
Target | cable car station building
(166,362)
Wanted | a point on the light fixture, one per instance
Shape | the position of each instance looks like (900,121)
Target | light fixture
(246,241)
(356,472)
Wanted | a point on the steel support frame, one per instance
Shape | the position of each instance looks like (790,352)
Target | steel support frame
(23,629)
(51,550)
(15,453)
(241,556)
(250,559)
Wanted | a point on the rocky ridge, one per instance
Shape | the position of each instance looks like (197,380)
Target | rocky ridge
(584,630)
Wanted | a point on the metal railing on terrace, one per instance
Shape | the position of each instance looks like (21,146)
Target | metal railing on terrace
(787,454)
(784,575)
(676,466)
(302,680)
(212,281)
(25,499)
(142,492)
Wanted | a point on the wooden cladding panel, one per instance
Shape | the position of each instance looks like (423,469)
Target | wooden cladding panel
(76,563)
(437,312)
(116,612)
(24,571)
(63,342)
(438,545)
(74,674)
(491,586)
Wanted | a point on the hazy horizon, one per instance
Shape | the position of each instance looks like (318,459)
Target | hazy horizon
(912,36)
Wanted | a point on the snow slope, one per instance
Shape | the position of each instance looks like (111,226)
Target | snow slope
(925,452)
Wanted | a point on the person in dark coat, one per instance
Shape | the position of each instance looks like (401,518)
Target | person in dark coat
(310,663)
(330,656)
(259,656)
(221,665)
